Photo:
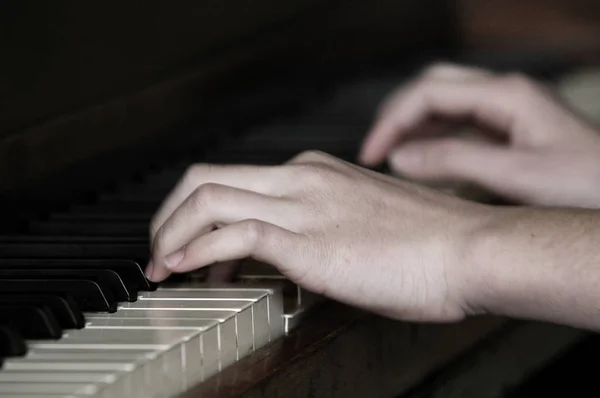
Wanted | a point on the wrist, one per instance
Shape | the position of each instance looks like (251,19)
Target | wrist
(533,264)
(492,271)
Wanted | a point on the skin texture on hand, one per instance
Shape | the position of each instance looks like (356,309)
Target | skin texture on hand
(353,235)
(532,149)
(538,263)
(398,248)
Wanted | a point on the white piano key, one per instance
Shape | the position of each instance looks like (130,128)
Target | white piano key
(158,339)
(130,366)
(74,389)
(262,297)
(140,355)
(101,381)
(200,355)
(274,305)
(227,340)
(44,395)
(218,317)
(131,378)
(204,294)
(243,317)
(56,377)
(182,304)
(89,364)
(167,367)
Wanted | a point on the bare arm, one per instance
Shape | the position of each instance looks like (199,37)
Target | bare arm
(539,264)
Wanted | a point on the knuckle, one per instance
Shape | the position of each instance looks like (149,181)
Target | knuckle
(439,69)
(521,87)
(193,172)
(310,156)
(205,195)
(423,89)
(196,173)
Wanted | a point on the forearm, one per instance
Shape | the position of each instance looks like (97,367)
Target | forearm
(538,264)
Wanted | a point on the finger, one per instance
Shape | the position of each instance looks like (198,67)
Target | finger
(495,101)
(452,71)
(321,158)
(504,170)
(203,209)
(261,179)
(441,71)
(265,242)
(254,178)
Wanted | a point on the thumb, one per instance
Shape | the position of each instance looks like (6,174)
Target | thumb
(504,170)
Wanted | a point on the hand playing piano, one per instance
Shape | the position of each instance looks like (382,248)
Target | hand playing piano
(351,234)
(533,149)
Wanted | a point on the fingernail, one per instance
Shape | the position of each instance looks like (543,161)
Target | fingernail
(173,259)
(149,268)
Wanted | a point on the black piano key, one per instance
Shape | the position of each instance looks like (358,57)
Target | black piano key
(130,272)
(87,294)
(109,281)
(130,251)
(233,155)
(116,207)
(295,140)
(148,196)
(65,310)
(88,228)
(32,321)
(12,344)
(135,194)
(16,238)
(101,217)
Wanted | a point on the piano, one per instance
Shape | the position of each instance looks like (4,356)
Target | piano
(101,124)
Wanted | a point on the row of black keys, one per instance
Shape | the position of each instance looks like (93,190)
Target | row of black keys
(65,265)
(41,298)
(48,280)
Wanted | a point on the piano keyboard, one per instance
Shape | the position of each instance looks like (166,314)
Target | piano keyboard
(169,339)
(79,319)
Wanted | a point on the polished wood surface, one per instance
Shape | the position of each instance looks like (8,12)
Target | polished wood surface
(566,27)
(342,352)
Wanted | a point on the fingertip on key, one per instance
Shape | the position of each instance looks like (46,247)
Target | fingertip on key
(149,270)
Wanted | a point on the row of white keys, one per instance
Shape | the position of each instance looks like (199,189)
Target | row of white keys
(179,348)
(137,357)
(158,346)
(272,306)
(238,314)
